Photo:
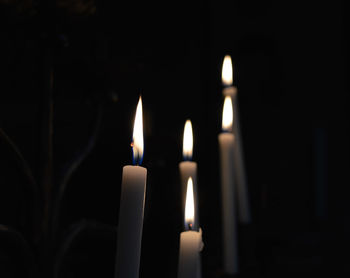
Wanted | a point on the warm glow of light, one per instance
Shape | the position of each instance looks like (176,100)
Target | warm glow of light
(189,207)
(188,141)
(227,114)
(226,75)
(137,136)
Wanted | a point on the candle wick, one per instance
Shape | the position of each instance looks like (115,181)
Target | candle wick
(190,226)
(136,158)
(227,130)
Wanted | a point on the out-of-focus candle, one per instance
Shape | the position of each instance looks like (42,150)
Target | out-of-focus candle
(132,202)
(240,175)
(229,229)
(190,241)
(188,168)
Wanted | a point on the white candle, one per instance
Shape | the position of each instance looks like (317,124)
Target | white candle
(190,241)
(229,240)
(132,202)
(188,168)
(240,175)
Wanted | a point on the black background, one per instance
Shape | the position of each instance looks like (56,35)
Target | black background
(290,62)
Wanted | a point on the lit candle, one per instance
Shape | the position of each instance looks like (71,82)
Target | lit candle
(132,202)
(226,142)
(188,168)
(190,240)
(240,176)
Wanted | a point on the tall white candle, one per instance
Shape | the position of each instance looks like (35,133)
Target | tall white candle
(132,202)
(190,241)
(188,168)
(240,175)
(226,143)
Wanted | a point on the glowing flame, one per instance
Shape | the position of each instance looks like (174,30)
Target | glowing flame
(189,207)
(226,75)
(137,136)
(188,141)
(227,114)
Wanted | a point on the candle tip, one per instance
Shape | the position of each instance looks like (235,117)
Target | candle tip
(227,75)
(187,141)
(137,140)
(227,115)
(189,206)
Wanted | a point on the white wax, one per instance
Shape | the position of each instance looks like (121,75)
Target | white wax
(132,202)
(189,257)
(240,175)
(189,169)
(229,240)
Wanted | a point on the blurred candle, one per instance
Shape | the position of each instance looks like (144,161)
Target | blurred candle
(190,241)
(226,143)
(240,176)
(188,168)
(132,202)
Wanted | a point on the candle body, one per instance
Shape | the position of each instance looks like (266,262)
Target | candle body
(189,169)
(230,256)
(132,201)
(189,257)
(240,175)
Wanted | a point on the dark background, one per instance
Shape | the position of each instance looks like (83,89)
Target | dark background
(290,64)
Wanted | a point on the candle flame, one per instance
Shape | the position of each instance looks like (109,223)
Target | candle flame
(227,114)
(188,141)
(226,75)
(137,144)
(189,207)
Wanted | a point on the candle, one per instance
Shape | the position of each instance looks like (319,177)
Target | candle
(190,240)
(226,143)
(132,201)
(240,176)
(188,168)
